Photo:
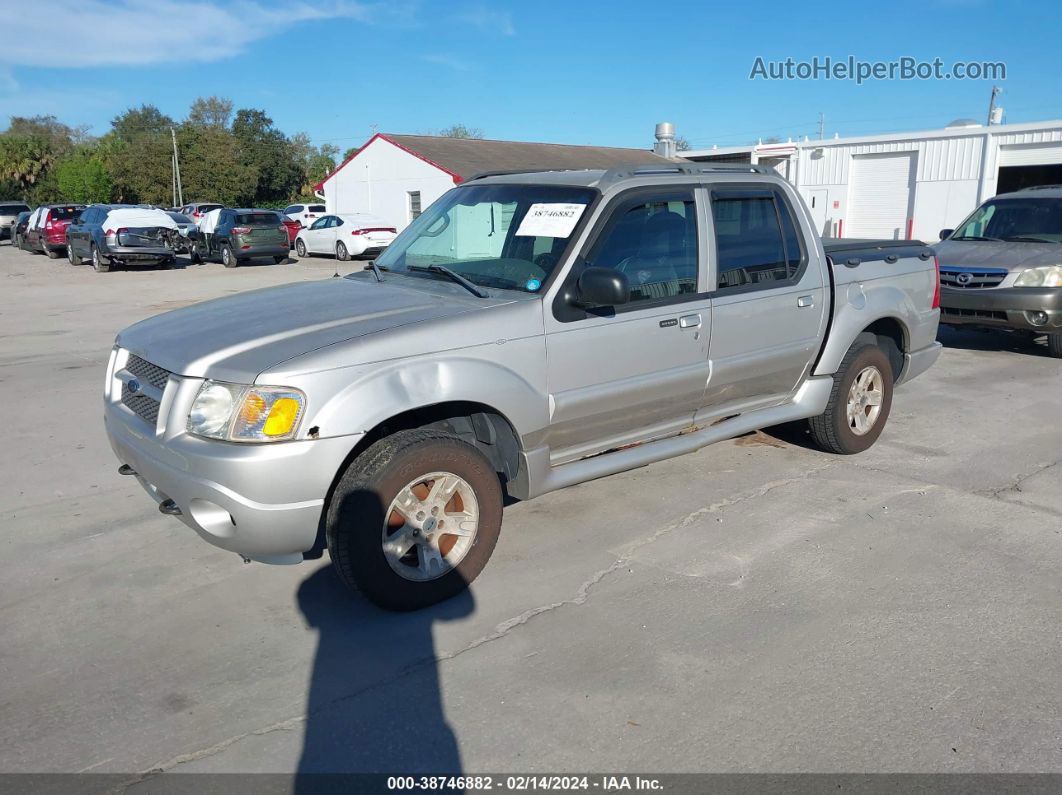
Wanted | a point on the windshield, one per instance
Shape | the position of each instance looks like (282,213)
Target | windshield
(1022,220)
(505,236)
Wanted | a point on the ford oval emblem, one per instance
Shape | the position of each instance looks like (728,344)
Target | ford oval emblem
(964,278)
(134,385)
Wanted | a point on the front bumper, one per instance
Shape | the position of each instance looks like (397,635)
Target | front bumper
(1003,307)
(262,501)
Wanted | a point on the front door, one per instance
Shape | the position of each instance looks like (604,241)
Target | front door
(769,305)
(316,235)
(638,371)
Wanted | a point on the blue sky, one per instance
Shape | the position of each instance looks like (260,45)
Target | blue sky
(568,72)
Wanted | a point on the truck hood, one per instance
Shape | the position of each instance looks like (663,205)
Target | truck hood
(988,254)
(238,337)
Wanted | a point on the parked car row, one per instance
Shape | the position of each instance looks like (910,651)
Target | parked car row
(146,234)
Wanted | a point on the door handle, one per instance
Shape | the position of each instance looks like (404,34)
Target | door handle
(805,301)
(690,321)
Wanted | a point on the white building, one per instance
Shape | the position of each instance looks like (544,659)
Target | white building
(396,176)
(907,185)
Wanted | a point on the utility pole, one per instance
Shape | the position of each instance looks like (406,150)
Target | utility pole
(996,91)
(176,171)
(821,120)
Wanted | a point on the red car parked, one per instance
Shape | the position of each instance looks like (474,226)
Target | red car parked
(293,228)
(46,230)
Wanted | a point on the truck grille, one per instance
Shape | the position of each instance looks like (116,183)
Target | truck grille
(971,278)
(144,405)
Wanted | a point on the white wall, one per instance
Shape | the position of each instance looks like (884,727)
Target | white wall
(378,181)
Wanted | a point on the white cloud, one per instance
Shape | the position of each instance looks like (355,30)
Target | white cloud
(442,59)
(489,20)
(81,33)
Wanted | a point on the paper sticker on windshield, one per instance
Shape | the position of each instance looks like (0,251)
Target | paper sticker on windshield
(550,220)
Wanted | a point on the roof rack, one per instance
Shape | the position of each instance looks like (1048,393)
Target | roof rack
(626,172)
(1042,187)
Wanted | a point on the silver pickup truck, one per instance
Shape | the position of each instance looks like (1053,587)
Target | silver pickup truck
(527,332)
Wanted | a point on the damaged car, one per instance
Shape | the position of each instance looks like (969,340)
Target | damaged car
(110,235)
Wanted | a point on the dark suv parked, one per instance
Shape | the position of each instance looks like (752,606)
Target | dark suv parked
(18,230)
(240,235)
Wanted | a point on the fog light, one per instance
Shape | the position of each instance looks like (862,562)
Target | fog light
(1037,318)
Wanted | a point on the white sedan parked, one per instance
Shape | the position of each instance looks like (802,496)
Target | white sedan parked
(345,236)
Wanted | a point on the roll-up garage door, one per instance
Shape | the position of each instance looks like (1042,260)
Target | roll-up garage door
(880,192)
(1031,154)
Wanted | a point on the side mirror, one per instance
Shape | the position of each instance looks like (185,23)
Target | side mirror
(945,233)
(602,287)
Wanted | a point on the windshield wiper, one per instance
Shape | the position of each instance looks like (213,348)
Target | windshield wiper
(376,269)
(1029,239)
(977,237)
(452,276)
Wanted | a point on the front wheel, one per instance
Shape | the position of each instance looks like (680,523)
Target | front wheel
(859,403)
(300,248)
(1054,344)
(228,259)
(414,519)
(196,257)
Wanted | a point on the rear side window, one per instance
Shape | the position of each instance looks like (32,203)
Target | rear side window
(316,208)
(756,238)
(258,219)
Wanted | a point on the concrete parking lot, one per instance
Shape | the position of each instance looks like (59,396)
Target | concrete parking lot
(756,606)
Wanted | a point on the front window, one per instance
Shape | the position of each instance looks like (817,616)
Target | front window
(1031,220)
(506,236)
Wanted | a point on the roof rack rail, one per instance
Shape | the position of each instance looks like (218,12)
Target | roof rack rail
(625,172)
(1042,187)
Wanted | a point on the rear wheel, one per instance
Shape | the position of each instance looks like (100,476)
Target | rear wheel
(341,251)
(859,403)
(51,252)
(228,259)
(71,256)
(414,519)
(300,247)
(1054,344)
(193,252)
(99,263)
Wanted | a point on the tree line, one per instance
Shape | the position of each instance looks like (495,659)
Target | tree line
(236,158)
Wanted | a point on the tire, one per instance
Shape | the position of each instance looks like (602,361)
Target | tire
(1054,344)
(300,248)
(196,257)
(366,498)
(73,258)
(838,431)
(228,259)
(341,252)
(51,253)
(279,260)
(99,262)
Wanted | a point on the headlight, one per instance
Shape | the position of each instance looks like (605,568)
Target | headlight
(1047,276)
(240,413)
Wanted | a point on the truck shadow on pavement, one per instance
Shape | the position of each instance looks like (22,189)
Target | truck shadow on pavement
(374,702)
(990,340)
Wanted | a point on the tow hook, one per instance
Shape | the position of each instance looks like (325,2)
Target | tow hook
(125,469)
(169,507)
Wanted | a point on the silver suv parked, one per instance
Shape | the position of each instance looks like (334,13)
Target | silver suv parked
(1002,268)
(527,332)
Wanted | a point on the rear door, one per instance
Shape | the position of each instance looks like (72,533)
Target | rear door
(768,307)
(637,371)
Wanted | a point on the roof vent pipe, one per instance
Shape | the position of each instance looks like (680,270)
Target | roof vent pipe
(665,140)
